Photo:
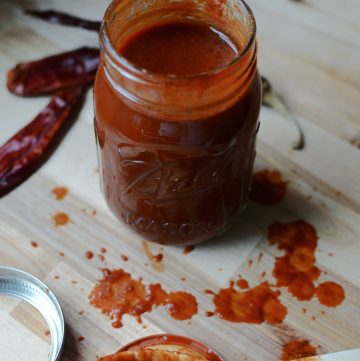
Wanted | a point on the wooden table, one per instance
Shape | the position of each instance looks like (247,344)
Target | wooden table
(310,51)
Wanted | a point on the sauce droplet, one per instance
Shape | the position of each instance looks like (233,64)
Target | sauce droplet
(124,258)
(156,259)
(209,292)
(60,219)
(260,256)
(101,258)
(268,187)
(242,284)
(89,255)
(188,249)
(60,193)
(118,294)
(330,294)
(34,244)
(80,338)
(103,250)
(296,349)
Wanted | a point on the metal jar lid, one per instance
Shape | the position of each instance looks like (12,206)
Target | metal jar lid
(20,284)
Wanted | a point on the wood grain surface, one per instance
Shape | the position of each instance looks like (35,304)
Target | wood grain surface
(310,50)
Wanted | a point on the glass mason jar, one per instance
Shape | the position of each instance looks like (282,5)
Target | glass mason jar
(176,153)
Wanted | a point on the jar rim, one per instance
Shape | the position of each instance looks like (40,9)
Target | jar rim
(121,61)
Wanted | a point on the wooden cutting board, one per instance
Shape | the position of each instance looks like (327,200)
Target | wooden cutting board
(310,51)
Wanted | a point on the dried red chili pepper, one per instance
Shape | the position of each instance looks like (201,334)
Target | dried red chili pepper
(56,17)
(21,155)
(76,67)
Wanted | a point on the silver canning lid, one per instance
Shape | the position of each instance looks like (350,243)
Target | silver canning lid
(19,284)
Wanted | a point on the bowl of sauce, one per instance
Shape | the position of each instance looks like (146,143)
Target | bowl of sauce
(177,98)
(164,347)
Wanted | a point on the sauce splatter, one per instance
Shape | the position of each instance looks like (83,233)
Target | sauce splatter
(60,219)
(80,338)
(296,349)
(297,269)
(81,313)
(103,250)
(47,333)
(268,187)
(209,314)
(118,294)
(255,305)
(101,257)
(56,277)
(250,262)
(260,256)
(89,255)
(60,193)
(209,292)
(188,249)
(156,259)
(124,258)
(62,254)
(34,244)
(330,294)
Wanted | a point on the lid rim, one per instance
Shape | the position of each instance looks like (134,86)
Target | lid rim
(22,285)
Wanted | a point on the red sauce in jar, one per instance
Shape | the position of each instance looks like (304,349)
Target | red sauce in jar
(177,176)
(181,48)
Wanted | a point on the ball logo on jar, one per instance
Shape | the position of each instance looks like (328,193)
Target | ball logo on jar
(163,180)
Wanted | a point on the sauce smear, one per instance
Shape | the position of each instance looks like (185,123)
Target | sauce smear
(268,187)
(296,349)
(118,294)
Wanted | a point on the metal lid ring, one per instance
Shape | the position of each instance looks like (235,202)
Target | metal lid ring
(19,284)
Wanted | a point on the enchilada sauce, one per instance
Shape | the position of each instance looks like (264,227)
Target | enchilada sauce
(177,181)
